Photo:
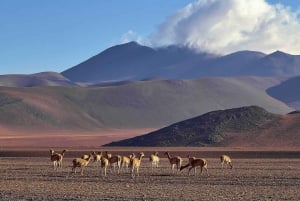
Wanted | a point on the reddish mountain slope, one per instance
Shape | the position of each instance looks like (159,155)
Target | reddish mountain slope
(286,133)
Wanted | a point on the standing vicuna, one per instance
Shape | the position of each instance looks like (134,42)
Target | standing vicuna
(103,162)
(57,158)
(194,163)
(154,160)
(113,160)
(86,156)
(99,158)
(135,164)
(125,161)
(81,163)
(226,159)
(177,160)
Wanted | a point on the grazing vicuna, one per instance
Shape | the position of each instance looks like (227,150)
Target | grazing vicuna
(177,160)
(80,163)
(57,158)
(194,163)
(226,159)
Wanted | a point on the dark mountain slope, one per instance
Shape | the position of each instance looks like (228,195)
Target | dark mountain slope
(122,60)
(278,63)
(288,92)
(205,130)
(132,61)
(235,64)
(129,61)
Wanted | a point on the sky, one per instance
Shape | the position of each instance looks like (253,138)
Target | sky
(41,35)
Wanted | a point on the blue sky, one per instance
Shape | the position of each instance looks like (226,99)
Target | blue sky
(40,35)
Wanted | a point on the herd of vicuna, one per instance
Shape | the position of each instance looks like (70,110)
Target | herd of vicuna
(133,162)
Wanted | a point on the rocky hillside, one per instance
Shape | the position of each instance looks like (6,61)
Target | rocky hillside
(245,126)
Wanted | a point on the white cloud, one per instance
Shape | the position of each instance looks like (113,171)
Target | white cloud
(225,26)
(131,35)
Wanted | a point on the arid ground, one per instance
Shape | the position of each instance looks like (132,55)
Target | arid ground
(65,138)
(257,175)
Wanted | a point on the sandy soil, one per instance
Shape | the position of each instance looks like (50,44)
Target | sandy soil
(65,138)
(33,178)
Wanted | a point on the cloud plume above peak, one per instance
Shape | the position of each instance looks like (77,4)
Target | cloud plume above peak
(225,26)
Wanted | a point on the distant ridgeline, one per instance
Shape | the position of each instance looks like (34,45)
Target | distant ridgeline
(205,130)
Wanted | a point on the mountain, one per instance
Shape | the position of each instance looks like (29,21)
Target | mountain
(140,104)
(132,61)
(245,126)
(236,64)
(287,92)
(38,79)
(278,63)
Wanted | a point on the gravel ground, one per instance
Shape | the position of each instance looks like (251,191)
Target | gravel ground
(33,178)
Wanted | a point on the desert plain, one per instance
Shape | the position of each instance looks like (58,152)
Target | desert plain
(258,174)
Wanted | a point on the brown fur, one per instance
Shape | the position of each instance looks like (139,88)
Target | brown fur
(194,163)
(177,160)
(57,158)
(80,163)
